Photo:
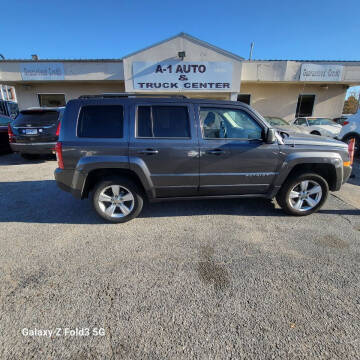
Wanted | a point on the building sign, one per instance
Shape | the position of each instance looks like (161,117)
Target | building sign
(42,71)
(315,72)
(182,76)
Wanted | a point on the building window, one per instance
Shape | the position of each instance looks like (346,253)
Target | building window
(11,92)
(163,122)
(51,100)
(305,105)
(245,98)
(101,121)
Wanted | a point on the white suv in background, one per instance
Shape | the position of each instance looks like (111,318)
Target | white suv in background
(352,131)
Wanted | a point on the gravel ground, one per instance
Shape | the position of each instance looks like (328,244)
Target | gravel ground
(213,279)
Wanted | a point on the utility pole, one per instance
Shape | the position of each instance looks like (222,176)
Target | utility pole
(251,50)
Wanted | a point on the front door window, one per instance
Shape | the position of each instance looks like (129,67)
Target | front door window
(222,123)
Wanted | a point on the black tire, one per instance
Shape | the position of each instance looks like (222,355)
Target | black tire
(29,156)
(126,185)
(315,133)
(347,138)
(283,196)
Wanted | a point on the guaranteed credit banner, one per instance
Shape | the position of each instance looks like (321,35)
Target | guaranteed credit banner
(42,71)
(182,76)
(315,72)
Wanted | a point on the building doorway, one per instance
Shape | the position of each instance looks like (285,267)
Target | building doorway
(245,98)
(305,105)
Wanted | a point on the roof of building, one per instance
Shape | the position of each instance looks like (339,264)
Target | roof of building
(120,60)
(194,40)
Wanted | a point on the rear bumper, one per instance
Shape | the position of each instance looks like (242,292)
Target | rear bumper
(64,180)
(33,148)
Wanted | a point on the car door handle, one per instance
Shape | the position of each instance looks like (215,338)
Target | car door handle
(148,152)
(216,152)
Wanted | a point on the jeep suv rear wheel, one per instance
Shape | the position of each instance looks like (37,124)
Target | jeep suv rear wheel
(117,200)
(303,194)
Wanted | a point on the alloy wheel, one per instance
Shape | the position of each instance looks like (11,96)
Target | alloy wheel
(116,201)
(305,195)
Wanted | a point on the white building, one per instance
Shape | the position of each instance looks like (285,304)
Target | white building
(186,65)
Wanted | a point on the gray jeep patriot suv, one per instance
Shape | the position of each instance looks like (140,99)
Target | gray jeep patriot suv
(123,149)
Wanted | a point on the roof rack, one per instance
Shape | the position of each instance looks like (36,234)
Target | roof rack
(121,95)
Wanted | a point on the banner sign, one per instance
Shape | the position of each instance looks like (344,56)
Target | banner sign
(315,72)
(182,76)
(42,71)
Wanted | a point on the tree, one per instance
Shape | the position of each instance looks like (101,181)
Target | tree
(351,104)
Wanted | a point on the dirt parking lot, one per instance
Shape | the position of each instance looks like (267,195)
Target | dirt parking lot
(207,280)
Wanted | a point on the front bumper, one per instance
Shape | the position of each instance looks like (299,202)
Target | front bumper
(346,174)
(33,148)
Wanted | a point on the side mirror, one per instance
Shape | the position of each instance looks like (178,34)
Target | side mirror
(270,136)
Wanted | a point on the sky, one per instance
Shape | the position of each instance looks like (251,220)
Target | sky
(311,30)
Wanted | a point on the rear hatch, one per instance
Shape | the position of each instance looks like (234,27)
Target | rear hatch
(38,125)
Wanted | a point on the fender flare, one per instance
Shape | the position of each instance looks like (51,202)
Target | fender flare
(90,163)
(297,158)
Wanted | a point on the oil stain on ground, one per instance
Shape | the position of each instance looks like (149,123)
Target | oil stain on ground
(33,279)
(332,241)
(210,272)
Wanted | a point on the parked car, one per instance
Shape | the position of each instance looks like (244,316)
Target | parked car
(352,131)
(342,120)
(35,131)
(123,149)
(319,126)
(282,125)
(9,108)
(4,139)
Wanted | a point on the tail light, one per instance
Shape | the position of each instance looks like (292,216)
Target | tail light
(345,123)
(59,157)
(351,150)
(58,130)
(11,134)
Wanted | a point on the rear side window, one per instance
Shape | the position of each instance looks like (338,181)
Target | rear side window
(163,122)
(103,121)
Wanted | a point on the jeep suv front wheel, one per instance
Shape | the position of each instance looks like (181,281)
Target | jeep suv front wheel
(303,194)
(117,200)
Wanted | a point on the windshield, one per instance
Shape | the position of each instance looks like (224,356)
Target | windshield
(4,120)
(320,121)
(36,118)
(276,121)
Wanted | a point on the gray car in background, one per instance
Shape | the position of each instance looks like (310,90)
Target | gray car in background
(122,149)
